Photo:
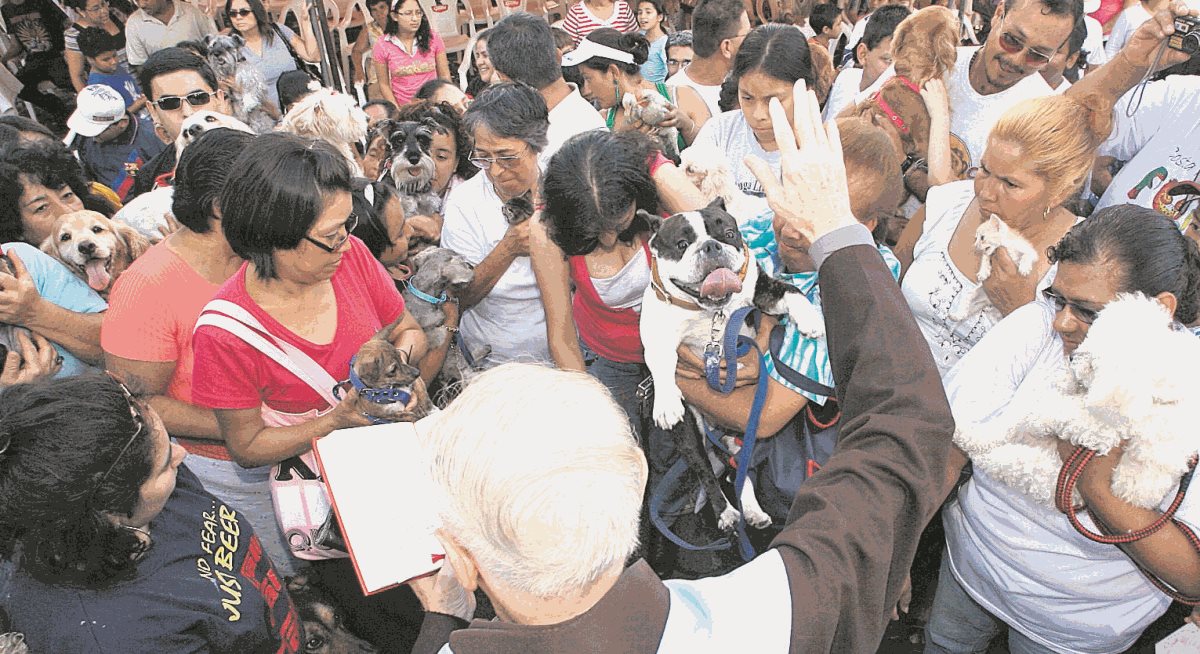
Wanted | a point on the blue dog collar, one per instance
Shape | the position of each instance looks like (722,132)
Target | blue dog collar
(373,395)
(422,295)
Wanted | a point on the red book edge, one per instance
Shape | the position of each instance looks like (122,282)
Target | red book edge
(350,546)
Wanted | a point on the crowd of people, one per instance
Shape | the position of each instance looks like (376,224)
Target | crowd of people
(199,237)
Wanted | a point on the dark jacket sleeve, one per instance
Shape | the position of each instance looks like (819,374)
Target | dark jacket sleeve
(435,632)
(854,526)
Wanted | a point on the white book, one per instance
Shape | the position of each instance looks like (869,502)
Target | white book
(1185,640)
(379,486)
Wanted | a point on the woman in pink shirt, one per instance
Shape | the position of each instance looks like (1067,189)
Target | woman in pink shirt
(409,53)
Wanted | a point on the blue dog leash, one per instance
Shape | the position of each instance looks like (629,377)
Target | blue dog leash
(373,395)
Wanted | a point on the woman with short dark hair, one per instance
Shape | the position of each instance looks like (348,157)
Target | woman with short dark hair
(116,545)
(307,284)
(502,306)
(147,332)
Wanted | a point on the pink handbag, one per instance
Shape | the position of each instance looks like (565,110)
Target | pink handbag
(301,500)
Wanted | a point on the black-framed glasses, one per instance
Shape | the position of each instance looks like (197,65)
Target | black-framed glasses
(349,226)
(1084,315)
(138,419)
(239,13)
(174,102)
(1013,45)
(507,162)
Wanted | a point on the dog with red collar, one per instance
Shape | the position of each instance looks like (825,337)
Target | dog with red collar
(702,273)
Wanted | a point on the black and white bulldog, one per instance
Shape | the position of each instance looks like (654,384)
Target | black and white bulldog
(701,273)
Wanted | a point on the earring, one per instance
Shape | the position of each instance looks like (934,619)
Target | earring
(1046,214)
(616,93)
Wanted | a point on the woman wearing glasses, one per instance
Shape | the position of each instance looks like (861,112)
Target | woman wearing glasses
(309,287)
(91,13)
(502,306)
(409,54)
(120,548)
(1072,594)
(1038,155)
(270,47)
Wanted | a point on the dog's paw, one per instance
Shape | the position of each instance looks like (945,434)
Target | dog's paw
(806,316)
(729,519)
(756,518)
(668,407)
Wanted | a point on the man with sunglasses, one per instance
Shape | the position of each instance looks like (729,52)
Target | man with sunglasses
(987,81)
(159,24)
(177,83)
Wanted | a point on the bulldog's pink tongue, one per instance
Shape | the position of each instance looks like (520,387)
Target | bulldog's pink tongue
(98,277)
(719,283)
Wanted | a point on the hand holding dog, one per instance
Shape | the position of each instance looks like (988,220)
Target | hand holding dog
(691,366)
(19,297)
(812,195)
(937,101)
(1006,288)
(37,360)
(516,239)
(349,412)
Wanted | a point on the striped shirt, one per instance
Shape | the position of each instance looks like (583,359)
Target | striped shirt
(580,20)
(807,356)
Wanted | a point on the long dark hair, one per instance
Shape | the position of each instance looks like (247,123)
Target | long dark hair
(57,439)
(47,163)
(778,51)
(589,185)
(424,32)
(265,24)
(1144,247)
(372,227)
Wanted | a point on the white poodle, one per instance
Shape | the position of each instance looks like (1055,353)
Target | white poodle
(1131,382)
(992,235)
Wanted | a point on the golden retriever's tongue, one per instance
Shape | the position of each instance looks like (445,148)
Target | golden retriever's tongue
(97,274)
(719,283)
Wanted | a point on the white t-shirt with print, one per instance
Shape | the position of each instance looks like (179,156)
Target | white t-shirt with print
(972,115)
(730,133)
(1161,145)
(1023,561)
(510,318)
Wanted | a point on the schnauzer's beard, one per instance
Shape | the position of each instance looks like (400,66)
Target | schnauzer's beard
(411,184)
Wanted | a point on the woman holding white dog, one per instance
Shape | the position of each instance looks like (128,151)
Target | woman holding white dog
(1073,595)
(270,48)
(610,63)
(1038,155)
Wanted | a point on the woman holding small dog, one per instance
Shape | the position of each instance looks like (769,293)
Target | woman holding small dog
(409,53)
(610,63)
(121,549)
(269,47)
(1075,595)
(1038,155)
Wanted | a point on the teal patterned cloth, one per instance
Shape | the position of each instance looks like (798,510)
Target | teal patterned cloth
(808,356)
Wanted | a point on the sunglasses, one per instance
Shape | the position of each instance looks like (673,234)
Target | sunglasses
(138,420)
(174,102)
(349,226)
(1085,316)
(1012,45)
(239,13)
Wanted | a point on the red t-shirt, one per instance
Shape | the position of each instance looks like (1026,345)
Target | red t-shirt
(230,374)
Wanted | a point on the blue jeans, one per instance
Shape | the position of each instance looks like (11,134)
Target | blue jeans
(622,379)
(959,625)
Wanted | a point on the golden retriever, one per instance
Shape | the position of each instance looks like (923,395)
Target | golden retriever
(95,248)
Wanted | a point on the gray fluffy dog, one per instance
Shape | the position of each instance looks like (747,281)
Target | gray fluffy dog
(242,82)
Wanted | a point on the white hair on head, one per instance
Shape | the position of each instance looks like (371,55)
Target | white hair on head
(541,477)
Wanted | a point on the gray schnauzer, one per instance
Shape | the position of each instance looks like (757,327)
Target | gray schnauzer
(242,82)
(410,152)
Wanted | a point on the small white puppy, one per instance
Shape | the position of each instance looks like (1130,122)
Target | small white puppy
(708,168)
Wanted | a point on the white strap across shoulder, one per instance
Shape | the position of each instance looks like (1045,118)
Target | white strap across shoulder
(232,318)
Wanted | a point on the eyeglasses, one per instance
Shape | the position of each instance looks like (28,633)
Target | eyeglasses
(507,162)
(138,420)
(678,62)
(349,226)
(1085,316)
(739,36)
(98,7)
(239,13)
(412,13)
(1012,45)
(174,102)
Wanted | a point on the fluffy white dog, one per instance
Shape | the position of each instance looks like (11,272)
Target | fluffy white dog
(332,117)
(992,235)
(1131,382)
(708,168)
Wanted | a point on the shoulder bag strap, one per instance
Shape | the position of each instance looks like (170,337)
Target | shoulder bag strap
(793,376)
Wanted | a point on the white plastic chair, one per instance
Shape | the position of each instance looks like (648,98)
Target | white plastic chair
(456,28)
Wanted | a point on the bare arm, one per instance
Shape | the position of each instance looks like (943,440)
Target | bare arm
(733,411)
(356,54)
(937,155)
(676,193)
(79,333)
(385,81)
(153,377)
(76,68)
(552,273)
(253,444)
(408,336)
(489,271)
(443,67)
(693,105)
(431,364)
(908,241)
(304,42)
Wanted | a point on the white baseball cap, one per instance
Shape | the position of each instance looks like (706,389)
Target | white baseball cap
(97,107)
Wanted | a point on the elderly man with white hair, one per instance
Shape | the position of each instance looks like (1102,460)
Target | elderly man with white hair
(542,479)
